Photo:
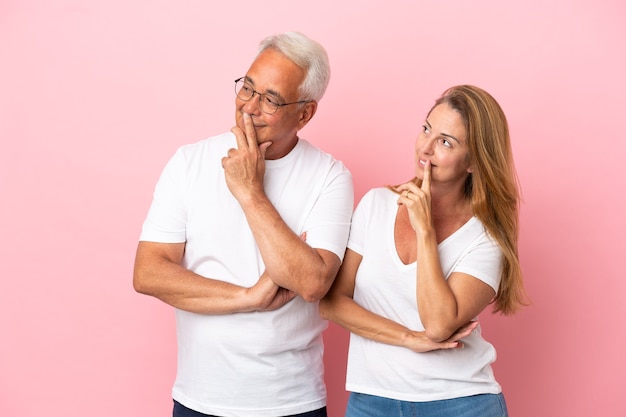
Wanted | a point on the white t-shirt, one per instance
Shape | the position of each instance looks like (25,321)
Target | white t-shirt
(386,286)
(249,364)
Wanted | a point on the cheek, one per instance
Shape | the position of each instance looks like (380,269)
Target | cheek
(462,165)
(418,144)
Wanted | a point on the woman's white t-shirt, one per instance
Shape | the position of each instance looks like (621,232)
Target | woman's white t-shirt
(387,287)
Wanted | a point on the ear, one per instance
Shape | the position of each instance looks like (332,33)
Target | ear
(306,113)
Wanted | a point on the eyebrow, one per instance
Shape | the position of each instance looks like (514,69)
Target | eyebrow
(269,92)
(444,134)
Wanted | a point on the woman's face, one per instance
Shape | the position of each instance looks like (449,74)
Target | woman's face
(443,142)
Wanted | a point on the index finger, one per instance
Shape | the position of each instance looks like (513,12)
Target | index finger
(426,181)
(250,132)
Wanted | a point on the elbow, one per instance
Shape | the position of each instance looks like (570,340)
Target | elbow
(315,289)
(140,284)
(313,295)
(438,333)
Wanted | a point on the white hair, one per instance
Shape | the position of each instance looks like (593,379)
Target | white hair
(308,55)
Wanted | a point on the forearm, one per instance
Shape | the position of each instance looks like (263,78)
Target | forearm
(163,277)
(348,314)
(190,292)
(290,262)
(344,311)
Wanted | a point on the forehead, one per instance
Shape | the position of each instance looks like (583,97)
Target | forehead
(446,120)
(272,72)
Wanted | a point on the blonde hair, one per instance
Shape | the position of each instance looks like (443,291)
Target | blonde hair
(492,187)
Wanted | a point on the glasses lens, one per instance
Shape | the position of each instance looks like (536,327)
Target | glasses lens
(268,105)
(243,90)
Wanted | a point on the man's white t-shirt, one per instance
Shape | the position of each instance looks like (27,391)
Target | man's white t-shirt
(259,363)
(387,287)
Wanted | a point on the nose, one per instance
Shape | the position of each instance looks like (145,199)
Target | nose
(427,146)
(252,106)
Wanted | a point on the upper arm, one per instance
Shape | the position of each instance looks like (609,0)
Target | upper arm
(151,258)
(472,295)
(343,286)
(318,282)
(331,262)
(476,278)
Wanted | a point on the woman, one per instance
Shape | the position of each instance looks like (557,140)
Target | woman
(424,259)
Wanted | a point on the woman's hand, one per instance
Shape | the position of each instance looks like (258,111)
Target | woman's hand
(418,341)
(417,200)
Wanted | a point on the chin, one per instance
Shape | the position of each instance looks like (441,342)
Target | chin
(262,140)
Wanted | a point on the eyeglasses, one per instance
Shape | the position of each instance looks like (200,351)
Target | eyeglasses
(268,103)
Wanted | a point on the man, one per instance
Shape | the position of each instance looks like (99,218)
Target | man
(244,236)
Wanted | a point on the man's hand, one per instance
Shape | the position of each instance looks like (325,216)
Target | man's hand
(244,167)
(265,295)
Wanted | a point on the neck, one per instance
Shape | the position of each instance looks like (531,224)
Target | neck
(447,203)
(273,152)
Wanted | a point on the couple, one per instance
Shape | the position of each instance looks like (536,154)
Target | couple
(247,232)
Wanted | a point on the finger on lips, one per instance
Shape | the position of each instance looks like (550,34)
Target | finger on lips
(250,132)
(426,180)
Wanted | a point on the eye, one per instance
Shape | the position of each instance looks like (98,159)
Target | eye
(246,88)
(446,142)
(271,101)
(425,129)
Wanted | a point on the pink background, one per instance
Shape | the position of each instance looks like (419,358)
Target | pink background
(96,95)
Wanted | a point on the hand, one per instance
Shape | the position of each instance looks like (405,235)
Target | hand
(265,295)
(420,343)
(244,167)
(417,200)
(282,297)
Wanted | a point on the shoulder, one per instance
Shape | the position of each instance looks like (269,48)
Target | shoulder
(200,156)
(314,154)
(477,241)
(378,199)
(378,196)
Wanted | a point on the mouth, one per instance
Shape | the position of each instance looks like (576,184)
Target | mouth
(255,123)
(422,163)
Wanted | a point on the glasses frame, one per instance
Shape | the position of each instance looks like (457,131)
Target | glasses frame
(261,98)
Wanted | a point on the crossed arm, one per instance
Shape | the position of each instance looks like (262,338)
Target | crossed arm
(159,273)
(443,304)
(292,266)
(339,306)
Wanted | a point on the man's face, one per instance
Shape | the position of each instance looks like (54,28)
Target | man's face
(275,75)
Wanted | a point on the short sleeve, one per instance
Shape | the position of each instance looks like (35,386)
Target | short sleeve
(358,229)
(482,260)
(328,224)
(166,220)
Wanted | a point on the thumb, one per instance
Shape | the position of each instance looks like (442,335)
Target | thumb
(263,148)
